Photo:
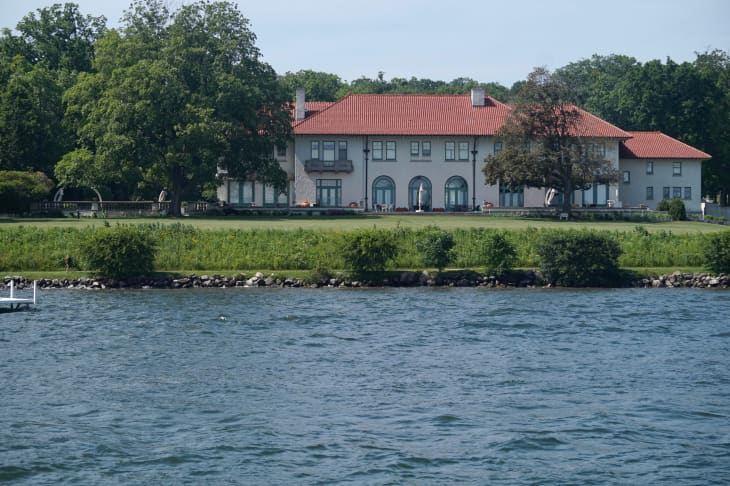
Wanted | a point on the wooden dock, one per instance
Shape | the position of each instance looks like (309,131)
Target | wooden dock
(19,303)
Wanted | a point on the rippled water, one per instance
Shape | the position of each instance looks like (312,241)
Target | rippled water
(369,386)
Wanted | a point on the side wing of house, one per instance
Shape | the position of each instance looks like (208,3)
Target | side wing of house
(655,166)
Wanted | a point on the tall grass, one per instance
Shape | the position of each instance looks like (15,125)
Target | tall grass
(27,248)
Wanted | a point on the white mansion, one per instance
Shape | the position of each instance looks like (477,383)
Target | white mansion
(380,151)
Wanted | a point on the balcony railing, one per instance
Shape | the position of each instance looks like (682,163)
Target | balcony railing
(328,166)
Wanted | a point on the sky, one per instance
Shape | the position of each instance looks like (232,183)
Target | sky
(486,40)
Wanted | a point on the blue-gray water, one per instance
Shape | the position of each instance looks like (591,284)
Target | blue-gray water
(385,386)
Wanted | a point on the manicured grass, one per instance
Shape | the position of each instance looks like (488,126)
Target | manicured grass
(385,221)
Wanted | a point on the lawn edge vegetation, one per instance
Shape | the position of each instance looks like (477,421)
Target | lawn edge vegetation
(157,247)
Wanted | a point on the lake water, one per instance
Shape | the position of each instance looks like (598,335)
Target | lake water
(367,386)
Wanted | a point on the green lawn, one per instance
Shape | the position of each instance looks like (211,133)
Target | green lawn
(373,220)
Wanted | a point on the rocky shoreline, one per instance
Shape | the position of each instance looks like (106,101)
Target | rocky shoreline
(522,279)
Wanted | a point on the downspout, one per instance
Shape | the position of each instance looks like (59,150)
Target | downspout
(474,176)
(366,151)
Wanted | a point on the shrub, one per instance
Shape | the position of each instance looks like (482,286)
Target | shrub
(579,259)
(677,211)
(118,252)
(19,189)
(368,250)
(663,205)
(499,253)
(717,252)
(435,247)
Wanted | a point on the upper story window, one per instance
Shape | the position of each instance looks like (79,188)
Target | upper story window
(450,151)
(676,168)
(420,150)
(649,167)
(463,150)
(328,150)
(627,177)
(593,150)
(384,150)
(377,150)
(498,147)
(390,150)
(281,150)
(342,150)
(314,155)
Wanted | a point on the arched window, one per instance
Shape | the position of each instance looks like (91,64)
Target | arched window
(419,185)
(456,193)
(383,194)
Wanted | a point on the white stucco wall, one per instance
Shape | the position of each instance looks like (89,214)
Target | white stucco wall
(633,193)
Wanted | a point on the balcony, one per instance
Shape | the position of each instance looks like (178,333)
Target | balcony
(328,166)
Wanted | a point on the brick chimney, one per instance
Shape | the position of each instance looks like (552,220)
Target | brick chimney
(477,97)
(301,111)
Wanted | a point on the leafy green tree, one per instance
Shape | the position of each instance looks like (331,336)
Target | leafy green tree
(177,97)
(368,250)
(542,138)
(499,253)
(19,189)
(677,211)
(317,85)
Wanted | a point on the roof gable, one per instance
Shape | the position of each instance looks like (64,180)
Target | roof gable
(657,145)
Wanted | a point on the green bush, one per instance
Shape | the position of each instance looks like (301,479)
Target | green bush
(368,250)
(499,253)
(677,211)
(119,252)
(579,259)
(19,189)
(663,205)
(435,247)
(717,252)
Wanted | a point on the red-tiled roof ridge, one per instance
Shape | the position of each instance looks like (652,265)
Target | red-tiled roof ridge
(425,114)
(657,145)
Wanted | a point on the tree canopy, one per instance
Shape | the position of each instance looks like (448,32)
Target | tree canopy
(544,144)
(176,97)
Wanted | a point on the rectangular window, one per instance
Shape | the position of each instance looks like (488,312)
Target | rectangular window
(315,151)
(329,193)
(677,193)
(649,167)
(328,151)
(688,193)
(650,193)
(627,177)
(426,149)
(599,151)
(389,150)
(450,149)
(665,192)
(342,150)
(415,150)
(498,147)
(377,150)
(281,151)
(463,150)
(676,168)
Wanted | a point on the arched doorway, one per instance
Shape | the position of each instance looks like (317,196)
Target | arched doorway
(456,194)
(423,185)
(383,194)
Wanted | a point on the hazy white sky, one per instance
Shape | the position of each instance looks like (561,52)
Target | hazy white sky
(485,40)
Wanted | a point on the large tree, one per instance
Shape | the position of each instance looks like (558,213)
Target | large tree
(176,97)
(544,144)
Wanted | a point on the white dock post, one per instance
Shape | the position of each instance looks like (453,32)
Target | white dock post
(12,289)
(35,282)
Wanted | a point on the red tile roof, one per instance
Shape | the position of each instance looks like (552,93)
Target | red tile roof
(423,115)
(656,145)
